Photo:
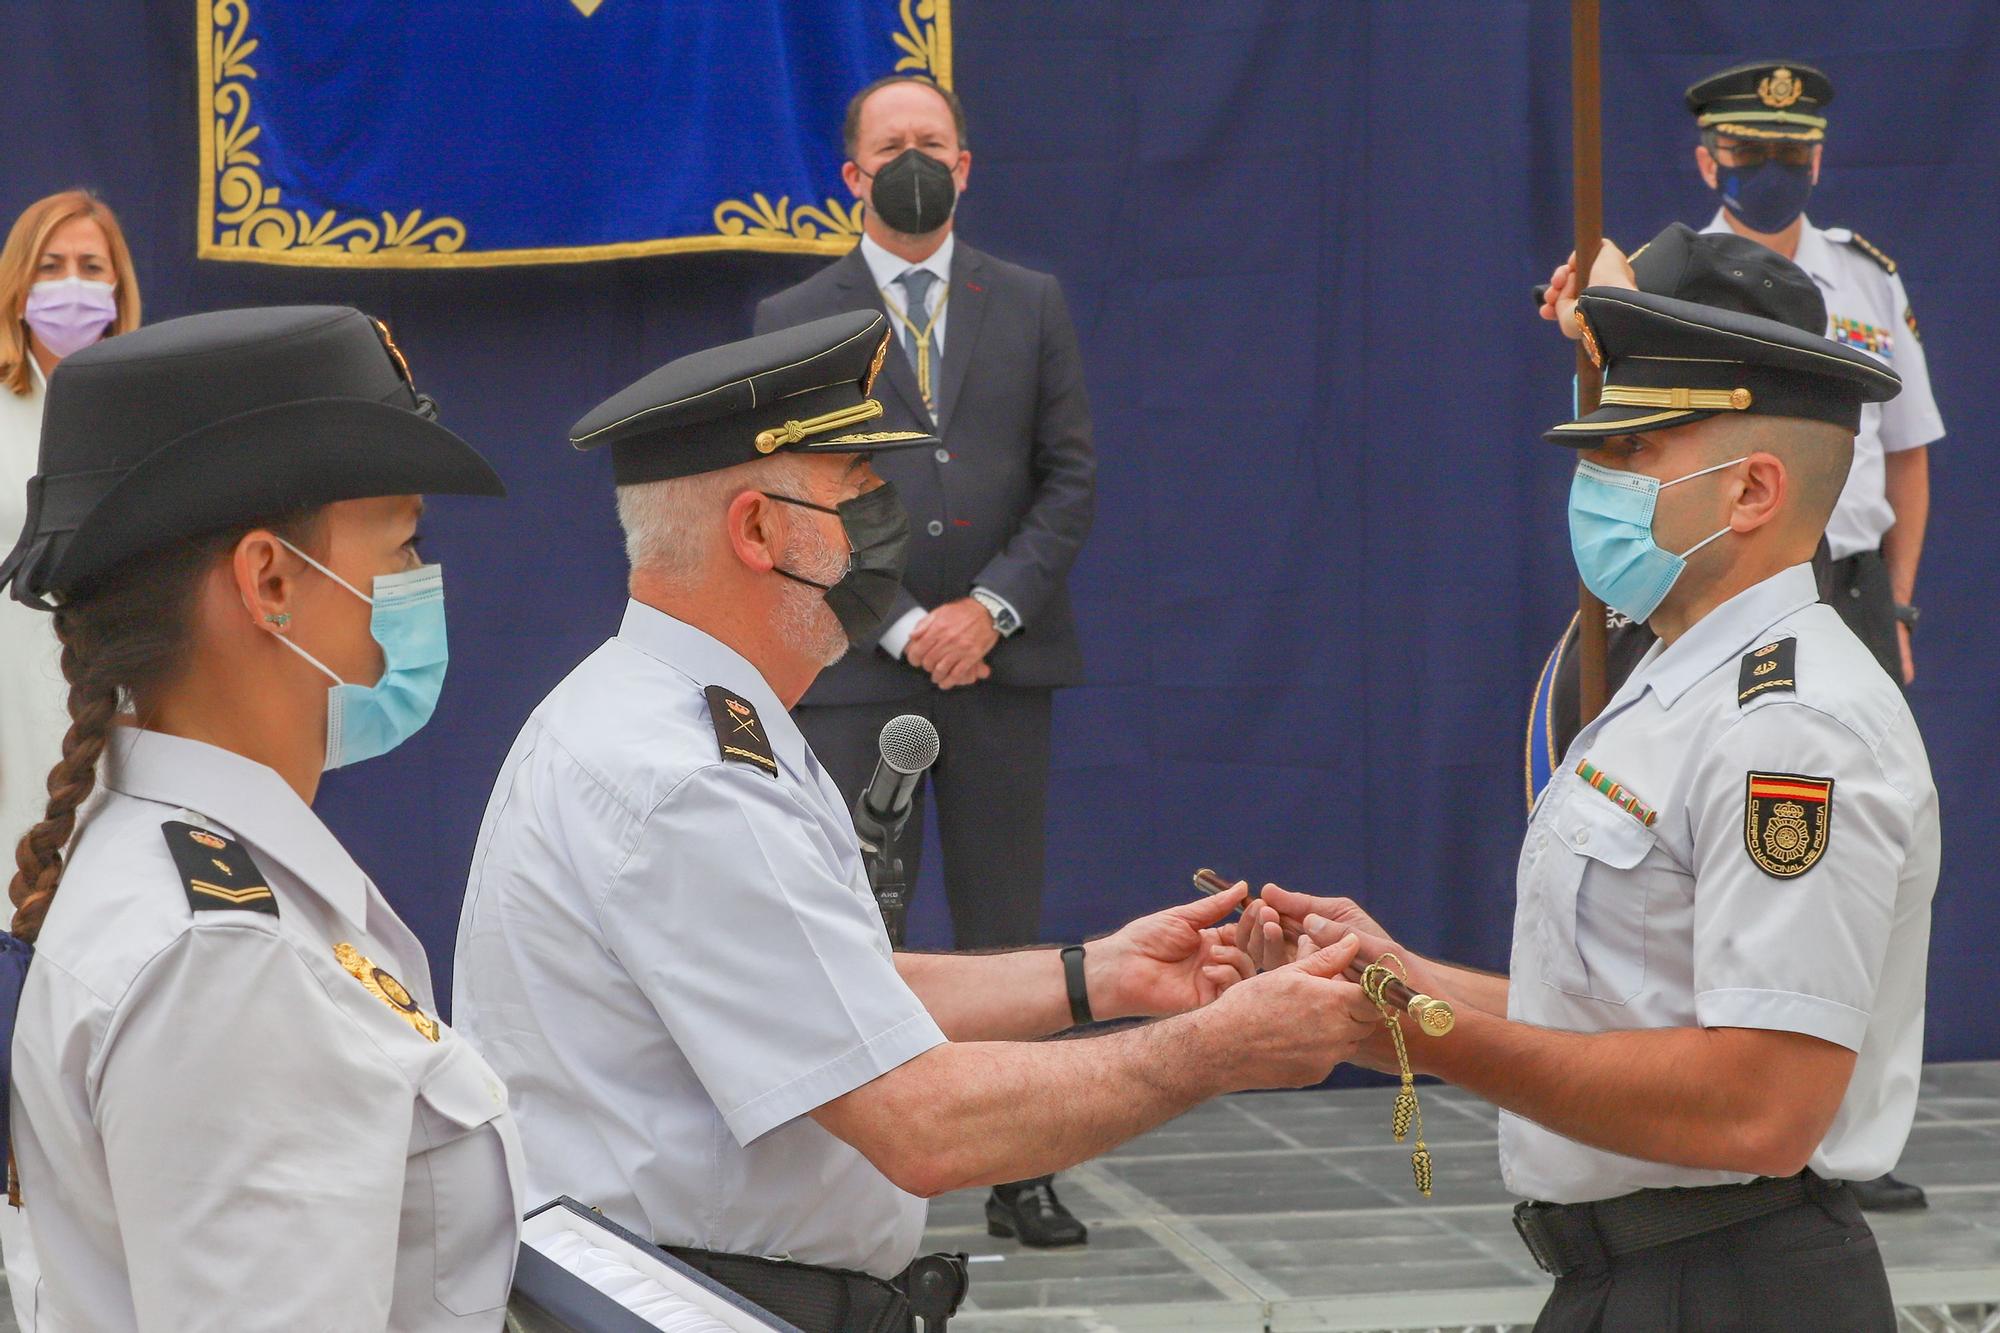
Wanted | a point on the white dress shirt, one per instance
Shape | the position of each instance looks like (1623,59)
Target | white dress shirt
(34,700)
(1868,310)
(671,954)
(218,1125)
(885,269)
(1628,924)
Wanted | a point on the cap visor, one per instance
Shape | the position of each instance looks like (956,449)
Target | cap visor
(1587,430)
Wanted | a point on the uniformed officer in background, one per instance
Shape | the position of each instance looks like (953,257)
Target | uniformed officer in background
(1714,1014)
(1763,130)
(669,946)
(234,1105)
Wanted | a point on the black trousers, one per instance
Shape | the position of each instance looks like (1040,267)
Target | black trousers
(990,785)
(1811,1267)
(1858,588)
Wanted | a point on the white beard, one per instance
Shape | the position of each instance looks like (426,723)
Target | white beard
(805,622)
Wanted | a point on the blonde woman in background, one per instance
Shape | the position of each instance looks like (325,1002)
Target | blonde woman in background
(66,281)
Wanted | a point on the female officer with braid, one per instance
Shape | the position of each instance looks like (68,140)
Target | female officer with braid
(233,1105)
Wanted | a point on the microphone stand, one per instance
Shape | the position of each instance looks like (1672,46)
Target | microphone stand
(885,869)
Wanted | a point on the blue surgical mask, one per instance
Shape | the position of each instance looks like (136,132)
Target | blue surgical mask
(363,721)
(1611,535)
(1768,198)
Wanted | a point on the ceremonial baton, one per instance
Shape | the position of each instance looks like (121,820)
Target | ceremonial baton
(1433,1016)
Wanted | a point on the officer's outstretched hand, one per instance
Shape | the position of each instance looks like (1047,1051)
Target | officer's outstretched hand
(1288,1028)
(1269,929)
(1169,962)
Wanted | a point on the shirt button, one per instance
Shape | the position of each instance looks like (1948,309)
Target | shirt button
(944,455)
(935,529)
(1582,836)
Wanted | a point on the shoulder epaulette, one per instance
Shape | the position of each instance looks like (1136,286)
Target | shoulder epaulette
(1772,667)
(739,731)
(1867,247)
(219,873)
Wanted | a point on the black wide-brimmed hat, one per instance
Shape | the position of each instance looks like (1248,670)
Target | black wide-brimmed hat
(195,424)
(1767,99)
(800,390)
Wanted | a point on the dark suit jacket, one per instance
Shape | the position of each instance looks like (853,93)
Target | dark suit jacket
(1009,504)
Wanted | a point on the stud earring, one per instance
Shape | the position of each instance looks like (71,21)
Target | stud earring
(280,619)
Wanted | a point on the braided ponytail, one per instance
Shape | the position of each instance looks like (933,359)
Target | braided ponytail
(93,709)
(124,635)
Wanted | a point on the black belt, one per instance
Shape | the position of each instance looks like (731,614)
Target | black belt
(1563,1238)
(839,1300)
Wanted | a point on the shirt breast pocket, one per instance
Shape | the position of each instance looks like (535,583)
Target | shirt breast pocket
(468,1147)
(1594,922)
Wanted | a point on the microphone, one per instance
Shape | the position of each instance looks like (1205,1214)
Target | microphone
(909,746)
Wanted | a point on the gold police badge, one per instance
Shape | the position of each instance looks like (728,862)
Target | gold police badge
(1780,89)
(1787,818)
(1590,346)
(386,989)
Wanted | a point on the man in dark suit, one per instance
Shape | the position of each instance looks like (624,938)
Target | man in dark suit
(982,633)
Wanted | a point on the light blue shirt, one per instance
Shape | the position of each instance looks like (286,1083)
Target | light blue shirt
(673,957)
(1625,922)
(1867,309)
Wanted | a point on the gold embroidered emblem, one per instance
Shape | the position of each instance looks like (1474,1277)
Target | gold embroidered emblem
(875,367)
(1764,668)
(1780,90)
(1590,341)
(385,988)
(223,866)
(208,840)
(1787,821)
(395,352)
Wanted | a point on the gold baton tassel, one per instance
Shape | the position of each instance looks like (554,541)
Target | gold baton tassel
(1374,980)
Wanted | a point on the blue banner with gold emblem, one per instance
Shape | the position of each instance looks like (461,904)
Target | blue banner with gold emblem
(392,134)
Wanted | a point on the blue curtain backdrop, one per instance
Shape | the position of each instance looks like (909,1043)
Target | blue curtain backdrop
(1330,555)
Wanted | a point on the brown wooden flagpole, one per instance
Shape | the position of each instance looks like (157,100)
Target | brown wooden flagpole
(1587,168)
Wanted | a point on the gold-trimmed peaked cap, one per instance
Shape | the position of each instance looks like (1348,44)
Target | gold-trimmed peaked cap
(1720,324)
(1767,99)
(799,390)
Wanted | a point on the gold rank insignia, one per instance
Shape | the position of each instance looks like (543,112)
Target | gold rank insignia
(739,732)
(386,989)
(217,872)
(1787,820)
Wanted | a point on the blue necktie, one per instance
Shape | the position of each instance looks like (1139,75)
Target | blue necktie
(920,338)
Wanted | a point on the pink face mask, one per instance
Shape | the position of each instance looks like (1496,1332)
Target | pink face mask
(69,314)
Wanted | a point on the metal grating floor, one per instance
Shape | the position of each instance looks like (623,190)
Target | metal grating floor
(1295,1211)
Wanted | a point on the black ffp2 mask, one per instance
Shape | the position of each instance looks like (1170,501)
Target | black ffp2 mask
(914,193)
(878,539)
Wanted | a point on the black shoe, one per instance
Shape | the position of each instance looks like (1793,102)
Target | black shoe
(1030,1210)
(1886,1194)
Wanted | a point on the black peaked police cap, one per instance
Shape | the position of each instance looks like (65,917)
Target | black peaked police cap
(800,390)
(1737,329)
(1766,99)
(195,424)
